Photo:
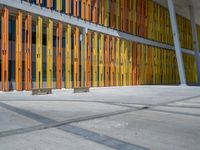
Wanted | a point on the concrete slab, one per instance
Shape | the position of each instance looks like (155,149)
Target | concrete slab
(10,120)
(179,110)
(49,139)
(121,118)
(188,104)
(195,101)
(61,110)
(155,130)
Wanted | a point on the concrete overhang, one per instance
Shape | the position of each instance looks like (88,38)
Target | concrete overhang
(182,7)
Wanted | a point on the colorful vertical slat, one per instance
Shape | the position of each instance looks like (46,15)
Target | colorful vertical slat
(39,80)
(117,62)
(76,56)
(28,53)
(106,51)
(68,56)
(59,5)
(88,60)
(5,50)
(101,61)
(49,54)
(18,52)
(94,59)
(112,61)
(59,56)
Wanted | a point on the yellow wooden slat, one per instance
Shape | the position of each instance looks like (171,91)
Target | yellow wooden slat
(76,56)
(121,62)
(117,60)
(39,52)
(125,65)
(94,60)
(59,5)
(68,56)
(68,49)
(101,61)
(130,62)
(49,54)
(112,61)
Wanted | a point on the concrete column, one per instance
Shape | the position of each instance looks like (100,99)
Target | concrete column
(195,42)
(178,50)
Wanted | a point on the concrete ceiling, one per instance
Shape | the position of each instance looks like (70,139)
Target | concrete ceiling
(181,7)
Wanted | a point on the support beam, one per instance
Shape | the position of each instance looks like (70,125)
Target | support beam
(195,42)
(177,42)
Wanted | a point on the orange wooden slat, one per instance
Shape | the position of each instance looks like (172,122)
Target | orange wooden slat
(88,12)
(38,2)
(83,9)
(59,56)
(28,52)
(67,7)
(49,3)
(112,12)
(75,7)
(88,60)
(94,11)
(5,50)
(18,52)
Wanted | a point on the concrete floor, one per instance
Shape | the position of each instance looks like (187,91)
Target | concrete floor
(121,118)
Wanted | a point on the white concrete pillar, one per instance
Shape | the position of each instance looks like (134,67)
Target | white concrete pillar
(178,50)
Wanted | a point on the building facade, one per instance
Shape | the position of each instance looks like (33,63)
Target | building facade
(56,51)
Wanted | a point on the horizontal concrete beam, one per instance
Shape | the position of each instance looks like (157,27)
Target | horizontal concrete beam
(44,12)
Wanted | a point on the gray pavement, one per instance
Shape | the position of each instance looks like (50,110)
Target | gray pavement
(117,118)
